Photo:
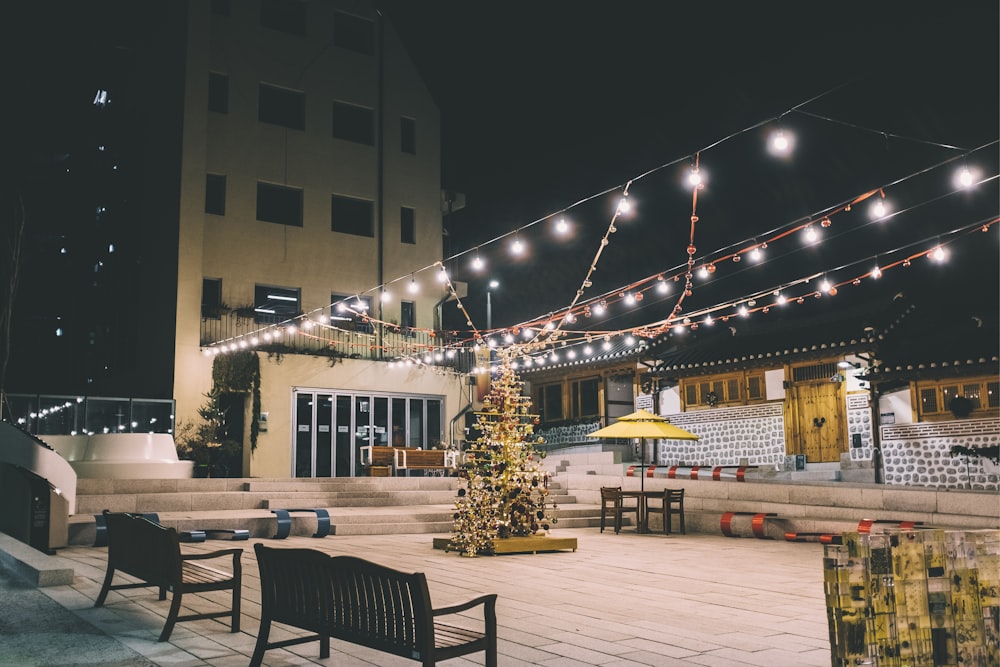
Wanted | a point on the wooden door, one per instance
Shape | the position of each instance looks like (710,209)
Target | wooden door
(819,421)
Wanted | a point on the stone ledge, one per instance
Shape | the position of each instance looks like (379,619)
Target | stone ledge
(32,565)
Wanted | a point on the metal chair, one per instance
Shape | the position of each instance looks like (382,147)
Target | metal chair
(672,503)
(611,499)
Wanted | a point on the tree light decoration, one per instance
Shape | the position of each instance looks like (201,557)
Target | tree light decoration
(505,491)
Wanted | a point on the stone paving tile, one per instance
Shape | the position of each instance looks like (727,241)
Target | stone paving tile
(619,601)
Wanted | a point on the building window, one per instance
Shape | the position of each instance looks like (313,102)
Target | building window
(349,312)
(211,298)
(218,92)
(354,33)
(215,194)
(284,16)
(281,106)
(349,215)
(407,225)
(407,314)
(354,123)
(586,398)
(730,389)
(408,135)
(272,305)
(550,402)
(279,204)
(937,399)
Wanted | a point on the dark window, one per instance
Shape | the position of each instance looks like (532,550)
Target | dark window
(354,33)
(218,92)
(407,225)
(276,203)
(552,409)
(284,15)
(408,135)
(280,106)
(407,314)
(211,298)
(352,216)
(215,194)
(220,7)
(354,123)
(348,312)
(272,305)
(993,394)
(586,394)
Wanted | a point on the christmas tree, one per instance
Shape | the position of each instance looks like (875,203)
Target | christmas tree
(505,490)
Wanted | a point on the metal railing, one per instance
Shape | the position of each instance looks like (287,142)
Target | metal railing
(376,342)
(41,414)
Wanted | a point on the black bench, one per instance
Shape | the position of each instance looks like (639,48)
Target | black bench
(196,535)
(151,553)
(364,603)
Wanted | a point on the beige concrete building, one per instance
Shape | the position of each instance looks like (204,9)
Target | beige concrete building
(311,182)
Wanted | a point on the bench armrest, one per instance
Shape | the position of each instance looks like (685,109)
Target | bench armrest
(235,553)
(489,601)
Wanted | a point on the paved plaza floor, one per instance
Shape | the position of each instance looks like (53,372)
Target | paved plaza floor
(623,600)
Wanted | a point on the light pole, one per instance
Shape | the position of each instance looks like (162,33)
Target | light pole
(489,304)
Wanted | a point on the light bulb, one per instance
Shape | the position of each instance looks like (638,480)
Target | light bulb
(598,309)
(624,206)
(413,287)
(442,275)
(703,272)
(779,143)
(588,350)
(630,299)
(709,321)
(879,208)
(630,340)
(824,286)
(964,177)
(385,296)
(876,272)
(938,254)
(743,311)
(811,234)
(517,247)
(477,263)
(780,300)
(562,226)
(756,254)
(662,287)
(694,177)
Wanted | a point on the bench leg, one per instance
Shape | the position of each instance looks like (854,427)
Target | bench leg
(261,646)
(105,587)
(175,607)
(235,624)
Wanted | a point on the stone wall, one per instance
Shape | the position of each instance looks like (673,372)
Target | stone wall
(920,454)
(755,433)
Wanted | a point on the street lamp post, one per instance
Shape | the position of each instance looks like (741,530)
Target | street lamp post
(489,304)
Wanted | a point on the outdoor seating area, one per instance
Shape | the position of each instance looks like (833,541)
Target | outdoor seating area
(668,503)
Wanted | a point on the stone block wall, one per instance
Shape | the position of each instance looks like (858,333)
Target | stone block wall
(755,433)
(920,454)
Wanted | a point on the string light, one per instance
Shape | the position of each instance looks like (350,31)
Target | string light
(442,275)
(938,254)
(477,261)
(876,272)
(562,226)
(879,207)
(624,206)
(810,234)
(517,247)
(694,177)
(413,287)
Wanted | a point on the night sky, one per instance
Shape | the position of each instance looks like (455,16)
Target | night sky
(547,104)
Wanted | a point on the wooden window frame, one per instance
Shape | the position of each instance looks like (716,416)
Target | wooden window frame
(940,387)
(720,383)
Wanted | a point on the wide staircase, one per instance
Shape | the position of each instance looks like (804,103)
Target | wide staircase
(355,505)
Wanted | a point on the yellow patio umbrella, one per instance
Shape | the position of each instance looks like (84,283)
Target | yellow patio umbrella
(643,424)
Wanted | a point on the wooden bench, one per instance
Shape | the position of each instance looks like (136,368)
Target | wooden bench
(379,459)
(364,603)
(152,553)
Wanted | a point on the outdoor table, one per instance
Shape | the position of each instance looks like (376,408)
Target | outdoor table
(641,497)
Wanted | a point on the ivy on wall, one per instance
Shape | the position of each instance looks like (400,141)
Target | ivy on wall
(239,372)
